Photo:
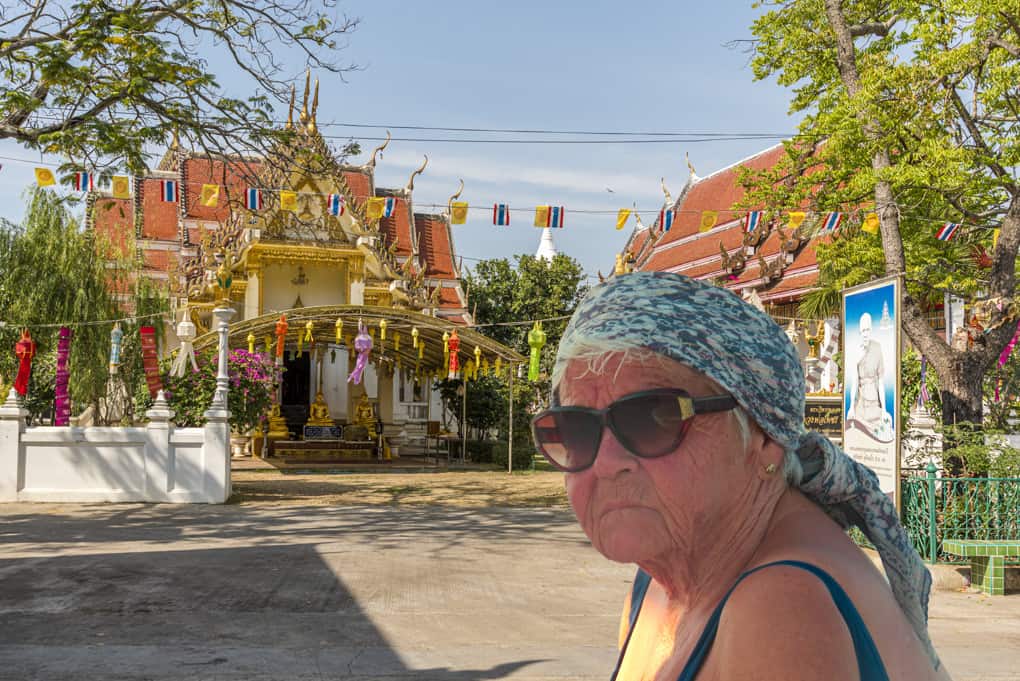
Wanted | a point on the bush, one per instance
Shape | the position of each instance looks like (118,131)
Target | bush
(481,451)
(524,454)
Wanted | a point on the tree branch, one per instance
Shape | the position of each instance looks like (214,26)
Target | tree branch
(879,28)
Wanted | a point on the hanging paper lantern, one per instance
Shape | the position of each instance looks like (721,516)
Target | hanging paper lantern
(536,341)
(469,370)
(269,344)
(62,401)
(382,329)
(116,337)
(453,343)
(414,337)
(485,367)
(251,342)
(478,361)
(499,366)
(446,350)
(363,346)
(24,349)
(396,341)
(186,353)
(309,326)
(421,350)
(339,330)
(281,335)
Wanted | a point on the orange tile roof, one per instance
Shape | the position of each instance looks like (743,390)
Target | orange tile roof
(230,177)
(159,217)
(158,259)
(398,228)
(360,184)
(435,246)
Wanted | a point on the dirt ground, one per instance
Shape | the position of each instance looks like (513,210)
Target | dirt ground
(464,489)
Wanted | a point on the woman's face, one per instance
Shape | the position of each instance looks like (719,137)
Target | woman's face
(636,509)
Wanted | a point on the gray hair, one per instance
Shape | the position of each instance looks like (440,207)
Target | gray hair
(597,356)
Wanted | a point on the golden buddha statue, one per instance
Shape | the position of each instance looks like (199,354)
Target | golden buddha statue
(364,415)
(318,412)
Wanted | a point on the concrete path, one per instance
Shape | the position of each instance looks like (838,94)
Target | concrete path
(228,593)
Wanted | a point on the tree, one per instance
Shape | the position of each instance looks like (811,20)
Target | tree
(103,82)
(911,106)
(50,275)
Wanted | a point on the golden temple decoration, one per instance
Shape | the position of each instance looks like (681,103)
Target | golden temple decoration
(414,337)
(456,195)
(396,342)
(378,150)
(419,171)
(251,342)
(669,198)
(319,412)
(304,106)
(290,110)
(339,330)
(315,106)
(382,329)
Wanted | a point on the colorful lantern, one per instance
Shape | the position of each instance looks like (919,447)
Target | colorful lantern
(186,353)
(396,341)
(453,344)
(116,337)
(339,330)
(25,351)
(363,346)
(382,329)
(414,337)
(281,335)
(446,349)
(62,401)
(251,342)
(536,341)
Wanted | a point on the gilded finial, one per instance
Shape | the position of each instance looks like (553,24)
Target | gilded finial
(315,107)
(637,218)
(456,195)
(378,150)
(669,198)
(410,182)
(304,105)
(290,110)
(690,167)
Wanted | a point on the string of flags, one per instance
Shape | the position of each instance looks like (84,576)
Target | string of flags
(377,207)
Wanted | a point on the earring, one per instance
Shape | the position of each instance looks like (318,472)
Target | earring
(770,468)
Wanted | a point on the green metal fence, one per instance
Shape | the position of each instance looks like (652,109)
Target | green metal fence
(958,508)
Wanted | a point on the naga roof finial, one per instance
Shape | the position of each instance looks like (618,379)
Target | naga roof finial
(378,150)
(410,182)
(690,167)
(456,195)
(637,218)
(669,198)
(304,105)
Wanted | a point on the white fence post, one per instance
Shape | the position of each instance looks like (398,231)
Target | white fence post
(159,458)
(12,425)
(217,428)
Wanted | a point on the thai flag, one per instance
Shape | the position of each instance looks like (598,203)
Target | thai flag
(752,221)
(666,219)
(253,199)
(84,182)
(168,191)
(501,215)
(948,231)
(335,204)
(554,217)
(832,222)
(391,204)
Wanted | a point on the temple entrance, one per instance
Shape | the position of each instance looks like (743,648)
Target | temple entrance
(296,390)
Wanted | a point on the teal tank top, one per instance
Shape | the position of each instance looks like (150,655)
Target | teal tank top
(869,662)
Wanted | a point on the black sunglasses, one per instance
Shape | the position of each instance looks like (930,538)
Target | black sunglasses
(649,424)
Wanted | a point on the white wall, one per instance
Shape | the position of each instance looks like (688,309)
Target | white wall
(325,286)
(158,462)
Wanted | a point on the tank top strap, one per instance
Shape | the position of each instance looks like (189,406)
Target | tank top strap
(637,596)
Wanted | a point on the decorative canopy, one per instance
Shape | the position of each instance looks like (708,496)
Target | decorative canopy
(403,322)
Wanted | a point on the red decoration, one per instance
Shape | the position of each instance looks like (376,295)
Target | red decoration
(281,335)
(25,351)
(454,345)
(150,360)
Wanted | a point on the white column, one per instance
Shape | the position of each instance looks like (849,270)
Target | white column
(216,444)
(159,462)
(12,425)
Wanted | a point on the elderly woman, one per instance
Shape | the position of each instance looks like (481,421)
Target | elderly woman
(678,419)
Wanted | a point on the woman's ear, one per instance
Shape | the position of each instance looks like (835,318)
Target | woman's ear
(769,459)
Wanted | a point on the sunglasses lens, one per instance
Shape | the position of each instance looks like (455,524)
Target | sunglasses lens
(649,425)
(568,439)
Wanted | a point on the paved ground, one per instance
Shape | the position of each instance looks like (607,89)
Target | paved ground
(369,592)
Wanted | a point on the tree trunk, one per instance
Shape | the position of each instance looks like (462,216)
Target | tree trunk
(962,408)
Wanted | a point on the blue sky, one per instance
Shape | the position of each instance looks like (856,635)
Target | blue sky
(597,65)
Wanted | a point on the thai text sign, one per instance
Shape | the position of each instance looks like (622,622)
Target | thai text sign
(825,415)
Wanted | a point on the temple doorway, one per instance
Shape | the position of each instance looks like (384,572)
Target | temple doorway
(296,390)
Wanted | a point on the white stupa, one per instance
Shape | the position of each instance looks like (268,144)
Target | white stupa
(546,247)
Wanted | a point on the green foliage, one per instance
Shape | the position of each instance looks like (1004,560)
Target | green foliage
(101,82)
(486,401)
(524,456)
(981,452)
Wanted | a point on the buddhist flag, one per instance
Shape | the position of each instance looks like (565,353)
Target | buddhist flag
(832,222)
(84,182)
(501,215)
(948,231)
(210,195)
(458,212)
(549,216)
(666,219)
(375,207)
(120,187)
(391,205)
(288,200)
(621,217)
(708,220)
(752,220)
(168,191)
(795,218)
(44,177)
(253,199)
(335,204)
(871,224)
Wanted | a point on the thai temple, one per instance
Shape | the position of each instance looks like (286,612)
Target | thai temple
(304,267)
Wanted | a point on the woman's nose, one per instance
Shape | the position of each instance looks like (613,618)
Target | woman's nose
(612,457)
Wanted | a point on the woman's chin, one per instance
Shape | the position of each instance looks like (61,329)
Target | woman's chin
(626,540)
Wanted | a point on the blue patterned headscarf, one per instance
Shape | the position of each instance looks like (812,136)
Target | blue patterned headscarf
(713,331)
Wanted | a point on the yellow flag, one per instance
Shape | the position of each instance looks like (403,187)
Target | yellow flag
(796,218)
(458,212)
(995,238)
(375,207)
(622,217)
(541,216)
(210,195)
(871,223)
(120,187)
(44,176)
(708,220)
(288,200)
